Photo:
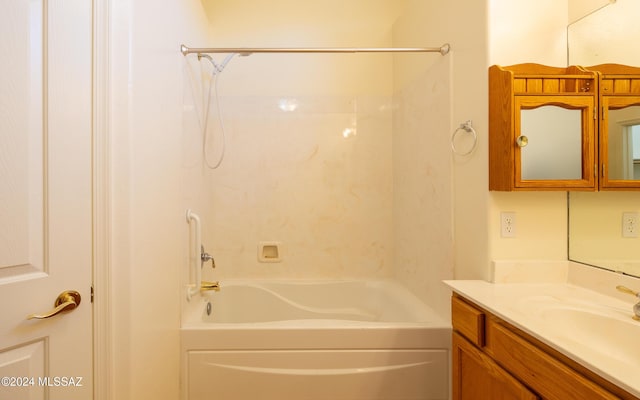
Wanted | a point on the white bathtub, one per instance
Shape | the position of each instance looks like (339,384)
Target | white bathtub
(313,340)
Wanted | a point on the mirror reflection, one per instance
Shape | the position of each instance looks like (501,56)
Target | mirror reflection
(596,234)
(623,130)
(595,219)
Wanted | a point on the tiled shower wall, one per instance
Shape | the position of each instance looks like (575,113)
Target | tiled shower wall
(422,185)
(312,173)
(308,153)
(422,154)
(342,159)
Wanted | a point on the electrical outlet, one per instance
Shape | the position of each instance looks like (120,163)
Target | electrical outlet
(630,226)
(508,224)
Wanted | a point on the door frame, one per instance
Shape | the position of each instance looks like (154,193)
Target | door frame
(101,293)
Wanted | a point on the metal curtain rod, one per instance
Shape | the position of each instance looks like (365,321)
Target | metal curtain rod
(245,51)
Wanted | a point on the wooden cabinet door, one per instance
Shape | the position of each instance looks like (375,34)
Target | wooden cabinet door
(560,142)
(477,377)
(542,128)
(620,143)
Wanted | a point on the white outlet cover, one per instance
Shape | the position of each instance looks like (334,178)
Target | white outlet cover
(508,224)
(630,221)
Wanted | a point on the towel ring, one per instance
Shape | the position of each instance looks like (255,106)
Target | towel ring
(466,127)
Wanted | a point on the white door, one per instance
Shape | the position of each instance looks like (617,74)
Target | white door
(45,198)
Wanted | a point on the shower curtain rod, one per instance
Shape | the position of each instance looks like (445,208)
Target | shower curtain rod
(245,51)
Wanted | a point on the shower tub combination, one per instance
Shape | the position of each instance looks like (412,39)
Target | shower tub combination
(313,340)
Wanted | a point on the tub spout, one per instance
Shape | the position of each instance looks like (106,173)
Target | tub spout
(210,286)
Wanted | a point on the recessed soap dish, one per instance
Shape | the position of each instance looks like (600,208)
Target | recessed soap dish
(270,252)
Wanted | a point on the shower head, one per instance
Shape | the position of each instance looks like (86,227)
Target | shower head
(217,68)
(208,57)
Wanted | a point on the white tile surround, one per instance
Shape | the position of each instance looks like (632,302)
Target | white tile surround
(375,202)
(293,177)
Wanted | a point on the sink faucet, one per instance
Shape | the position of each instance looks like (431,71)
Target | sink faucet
(636,307)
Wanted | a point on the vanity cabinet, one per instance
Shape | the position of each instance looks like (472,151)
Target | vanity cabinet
(542,128)
(475,374)
(494,360)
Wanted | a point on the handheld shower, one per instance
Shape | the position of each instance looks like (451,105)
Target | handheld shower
(217,69)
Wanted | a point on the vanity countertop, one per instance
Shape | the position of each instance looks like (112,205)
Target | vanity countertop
(592,328)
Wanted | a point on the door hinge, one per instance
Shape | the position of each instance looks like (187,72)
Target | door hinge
(92,293)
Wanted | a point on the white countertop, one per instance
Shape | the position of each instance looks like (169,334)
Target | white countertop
(554,313)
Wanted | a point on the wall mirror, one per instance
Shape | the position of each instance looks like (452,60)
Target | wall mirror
(623,139)
(595,219)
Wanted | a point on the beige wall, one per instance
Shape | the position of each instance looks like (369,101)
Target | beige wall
(151,189)
(522,32)
(580,8)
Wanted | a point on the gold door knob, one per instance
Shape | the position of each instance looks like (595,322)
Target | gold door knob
(66,301)
(522,141)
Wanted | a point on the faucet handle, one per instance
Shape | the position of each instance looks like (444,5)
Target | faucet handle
(626,290)
(636,308)
(204,257)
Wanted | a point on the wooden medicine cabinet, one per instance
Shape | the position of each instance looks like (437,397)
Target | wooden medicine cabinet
(542,128)
(574,128)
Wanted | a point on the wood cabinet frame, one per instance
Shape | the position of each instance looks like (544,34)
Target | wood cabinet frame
(619,86)
(475,375)
(509,87)
(598,88)
(586,105)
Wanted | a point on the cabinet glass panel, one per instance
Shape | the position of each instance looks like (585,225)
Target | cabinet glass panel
(623,143)
(554,143)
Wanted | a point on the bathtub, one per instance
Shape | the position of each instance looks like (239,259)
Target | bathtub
(313,340)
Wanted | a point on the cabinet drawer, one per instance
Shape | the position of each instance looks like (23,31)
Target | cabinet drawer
(535,368)
(468,320)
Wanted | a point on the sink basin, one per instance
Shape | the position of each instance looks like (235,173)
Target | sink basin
(588,327)
(615,337)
